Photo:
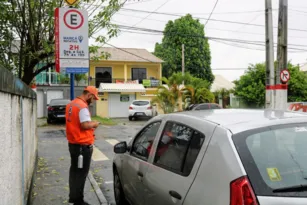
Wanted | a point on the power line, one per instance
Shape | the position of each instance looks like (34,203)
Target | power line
(258,43)
(150,13)
(129,52)
(218,29)
(216,20)
(211,12)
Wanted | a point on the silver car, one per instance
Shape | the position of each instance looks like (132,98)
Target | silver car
(216,157)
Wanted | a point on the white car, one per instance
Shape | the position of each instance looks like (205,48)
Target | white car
(141,108)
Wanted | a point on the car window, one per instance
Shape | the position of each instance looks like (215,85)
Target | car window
(275,158)
(140,103)
(143,142)
(203,107)
(178,148)
(215,106)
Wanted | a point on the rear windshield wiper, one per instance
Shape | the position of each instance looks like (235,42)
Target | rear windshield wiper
(296,188)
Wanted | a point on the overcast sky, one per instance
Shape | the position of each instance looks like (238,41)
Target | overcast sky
(223,56)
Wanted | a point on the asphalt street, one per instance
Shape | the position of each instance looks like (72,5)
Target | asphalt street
(107,137)
(51,184)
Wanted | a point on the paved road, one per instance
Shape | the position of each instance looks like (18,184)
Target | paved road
(107,137)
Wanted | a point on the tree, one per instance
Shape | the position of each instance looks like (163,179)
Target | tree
(197,91)
(251,85)
(171,96)
(189,32)
(27,32)
(80,77)
(168,95)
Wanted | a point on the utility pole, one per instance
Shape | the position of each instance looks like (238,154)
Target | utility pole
(182,56)
(282,55)
(269,44)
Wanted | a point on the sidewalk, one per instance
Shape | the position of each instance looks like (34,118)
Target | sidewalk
(51,181)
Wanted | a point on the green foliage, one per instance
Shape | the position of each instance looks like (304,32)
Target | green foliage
(196,90)
(189,32)
(27,32)
(251,86)
(80,77)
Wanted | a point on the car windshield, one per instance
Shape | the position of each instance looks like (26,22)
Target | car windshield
(59,102)
(140,103)
(275,158)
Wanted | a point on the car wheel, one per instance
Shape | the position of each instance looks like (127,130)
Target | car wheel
(48,121)
(130,118)
(118,191)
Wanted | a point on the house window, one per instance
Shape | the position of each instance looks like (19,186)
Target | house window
(103,75)
(124,98)
(139,74)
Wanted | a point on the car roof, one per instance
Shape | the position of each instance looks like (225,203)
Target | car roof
(239,120)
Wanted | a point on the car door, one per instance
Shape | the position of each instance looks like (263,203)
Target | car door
(168,180)
(136,165)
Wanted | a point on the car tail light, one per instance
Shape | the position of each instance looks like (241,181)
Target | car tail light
(50,108)
(241,192)
(149,108)
(130,108)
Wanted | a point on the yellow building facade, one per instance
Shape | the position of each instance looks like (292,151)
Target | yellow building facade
(127,75)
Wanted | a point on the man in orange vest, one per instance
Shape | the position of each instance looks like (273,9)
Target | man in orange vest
(80,136)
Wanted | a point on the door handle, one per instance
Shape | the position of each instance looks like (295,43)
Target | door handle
(175,195)
(140,174)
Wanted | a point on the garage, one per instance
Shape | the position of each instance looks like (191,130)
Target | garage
(54,94)
(120,96)
(119,104)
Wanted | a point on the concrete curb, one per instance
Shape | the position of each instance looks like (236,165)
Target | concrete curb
(101,197)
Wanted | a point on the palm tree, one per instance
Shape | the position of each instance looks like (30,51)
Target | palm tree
(198,91)
(169,95)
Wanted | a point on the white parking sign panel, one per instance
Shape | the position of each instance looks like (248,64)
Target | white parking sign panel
(71,34)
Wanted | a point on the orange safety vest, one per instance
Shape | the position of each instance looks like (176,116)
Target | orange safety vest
(74,133)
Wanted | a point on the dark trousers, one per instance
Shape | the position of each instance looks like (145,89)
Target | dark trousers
(77,176)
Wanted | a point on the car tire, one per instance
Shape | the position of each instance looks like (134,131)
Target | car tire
(119,195)
(48,121)
(130,118)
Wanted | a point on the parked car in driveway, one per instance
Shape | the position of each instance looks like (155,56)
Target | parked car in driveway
(56,110)
(215,157)
(141,109)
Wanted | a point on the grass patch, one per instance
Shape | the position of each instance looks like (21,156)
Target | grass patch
(104,121)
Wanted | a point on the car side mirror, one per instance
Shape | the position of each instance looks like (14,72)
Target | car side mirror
(128,148)
(120,148)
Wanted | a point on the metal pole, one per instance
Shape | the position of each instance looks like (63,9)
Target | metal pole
(282,38)
(270,78)
(282,49)
(72,86)
(182,56)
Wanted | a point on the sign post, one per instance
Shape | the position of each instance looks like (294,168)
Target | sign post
(282,90)
(71,42)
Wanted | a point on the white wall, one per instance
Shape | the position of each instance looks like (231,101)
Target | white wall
(12,120)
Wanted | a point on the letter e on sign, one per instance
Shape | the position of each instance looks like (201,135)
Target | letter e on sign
(73,19)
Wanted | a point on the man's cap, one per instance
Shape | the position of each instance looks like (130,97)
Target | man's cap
(92,90)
